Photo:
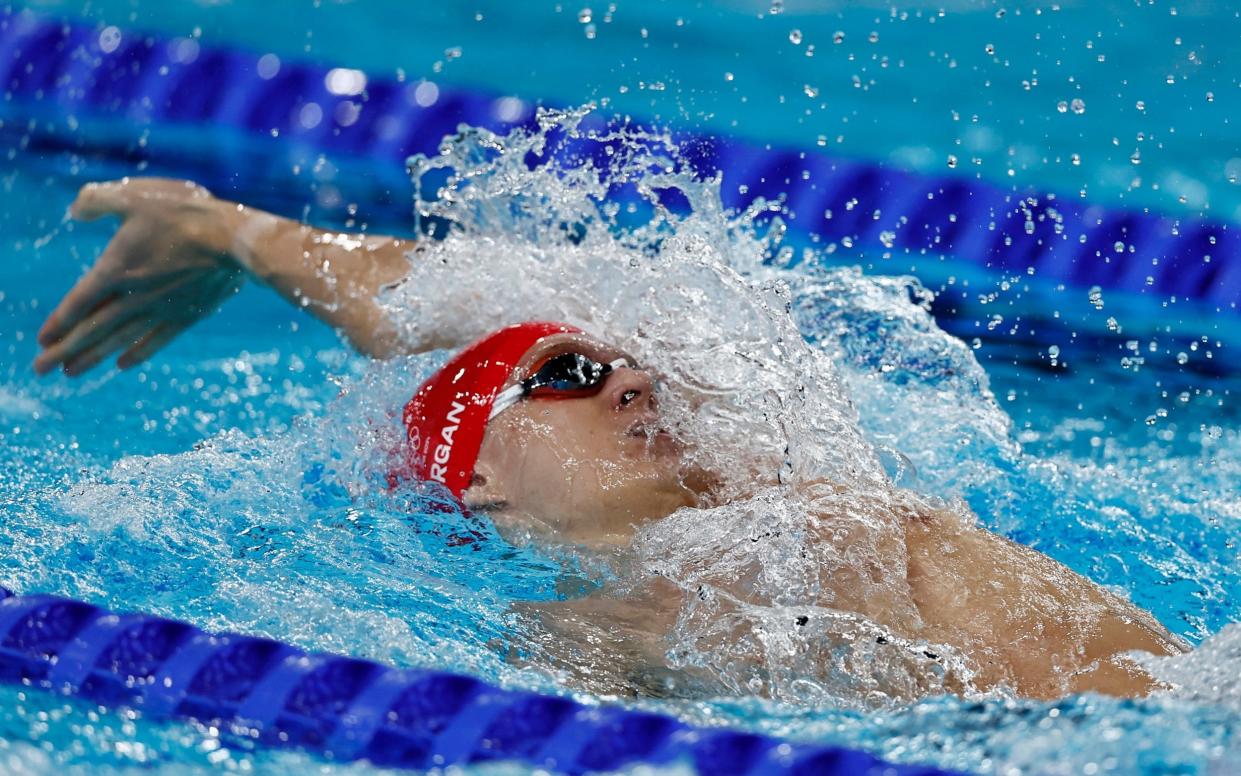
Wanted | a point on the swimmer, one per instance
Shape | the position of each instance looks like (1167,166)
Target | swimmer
(554,433)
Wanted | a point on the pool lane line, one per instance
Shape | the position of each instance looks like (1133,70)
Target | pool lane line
(347,709)
(51,70)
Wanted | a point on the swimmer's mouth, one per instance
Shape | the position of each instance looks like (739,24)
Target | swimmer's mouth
(651,432)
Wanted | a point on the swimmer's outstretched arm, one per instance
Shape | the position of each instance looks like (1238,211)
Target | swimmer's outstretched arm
(180,252)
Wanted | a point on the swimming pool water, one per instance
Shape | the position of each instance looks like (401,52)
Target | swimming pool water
(201,486)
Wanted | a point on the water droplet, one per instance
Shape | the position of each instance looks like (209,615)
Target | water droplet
(873,37)
(989,48)
(795,37)
(822,140)
(776,8)
(728,76)
(1096,297)
(838,37)
(1140,105)
(310,115)
(1078,105)
(810,91)
(1053,351)
(1182,358)
(584,16)
(109,39)
(1076,159)
(952,160)
(268,66)
(345,81)
(1118,246)
(1062,106)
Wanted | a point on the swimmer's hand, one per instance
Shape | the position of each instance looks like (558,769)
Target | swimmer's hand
(180,252)
(167,266)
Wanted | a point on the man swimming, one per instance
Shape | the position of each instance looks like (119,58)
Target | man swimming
(556,434)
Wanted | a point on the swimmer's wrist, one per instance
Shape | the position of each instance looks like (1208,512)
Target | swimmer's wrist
(248,238)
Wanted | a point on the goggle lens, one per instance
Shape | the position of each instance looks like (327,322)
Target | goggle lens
(566,375)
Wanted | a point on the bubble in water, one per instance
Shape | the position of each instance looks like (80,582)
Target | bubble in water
(585,16)
(952,160)
(1078,105)
(795,37)
(838,37)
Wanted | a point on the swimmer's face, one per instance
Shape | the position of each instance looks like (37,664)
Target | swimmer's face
(585,469)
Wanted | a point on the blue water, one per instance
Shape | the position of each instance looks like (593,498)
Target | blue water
(207,485)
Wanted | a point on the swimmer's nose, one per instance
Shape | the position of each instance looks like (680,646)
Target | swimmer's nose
(630,388)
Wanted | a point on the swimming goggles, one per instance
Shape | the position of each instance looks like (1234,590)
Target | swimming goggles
(564,376)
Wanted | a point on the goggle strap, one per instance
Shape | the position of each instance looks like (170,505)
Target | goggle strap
(505,399)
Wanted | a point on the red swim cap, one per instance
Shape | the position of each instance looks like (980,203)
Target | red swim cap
(447,416)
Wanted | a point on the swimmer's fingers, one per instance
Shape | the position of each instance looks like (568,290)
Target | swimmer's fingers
(96,200)
(95,287)
(98,324)
(128,195)
(127,334)
(84,298)
(150,344)
(111,315)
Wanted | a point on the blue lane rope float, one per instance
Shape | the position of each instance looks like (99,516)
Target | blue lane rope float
(84,70)
(349,709)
